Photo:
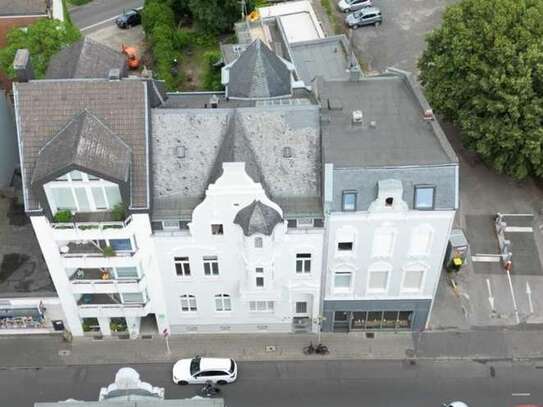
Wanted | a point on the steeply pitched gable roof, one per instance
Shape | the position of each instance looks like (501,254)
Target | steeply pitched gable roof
(258,74)
(257,218)
(87,143)
(85,59)
(44,107)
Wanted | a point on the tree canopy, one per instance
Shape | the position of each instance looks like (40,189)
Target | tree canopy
(483,69)
(44,38)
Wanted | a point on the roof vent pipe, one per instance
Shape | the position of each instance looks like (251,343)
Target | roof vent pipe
(357,116)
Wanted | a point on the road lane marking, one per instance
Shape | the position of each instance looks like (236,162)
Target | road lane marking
(490,296)
(521,394)
(485,258)
(529,293)
(515,306)
(525,229)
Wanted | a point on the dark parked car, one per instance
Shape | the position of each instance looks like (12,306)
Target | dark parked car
(128,19)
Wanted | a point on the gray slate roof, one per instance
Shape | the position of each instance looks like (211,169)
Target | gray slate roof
(254,135)
(23,7)
(86,59)
(44,107)
(257,218)
(258,74)
(400,135)
(87,143)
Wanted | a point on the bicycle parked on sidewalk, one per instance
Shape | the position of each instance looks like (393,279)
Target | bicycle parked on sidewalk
(320,349)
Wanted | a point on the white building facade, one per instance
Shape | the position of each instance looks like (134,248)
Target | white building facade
(227,274)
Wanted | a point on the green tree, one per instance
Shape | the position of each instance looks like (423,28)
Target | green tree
(156,12)
(215,16)
(483,69)
(44,38)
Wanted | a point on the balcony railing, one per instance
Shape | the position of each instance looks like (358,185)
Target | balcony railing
(106,301)
(92,221)
(99,276)
(84,250)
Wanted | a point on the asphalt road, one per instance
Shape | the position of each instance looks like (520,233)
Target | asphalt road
(98,13)
(301,384)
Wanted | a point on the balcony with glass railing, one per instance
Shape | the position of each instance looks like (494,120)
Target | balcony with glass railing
(112,305)
(106,280)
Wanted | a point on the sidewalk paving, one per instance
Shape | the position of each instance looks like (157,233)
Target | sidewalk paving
(50,350)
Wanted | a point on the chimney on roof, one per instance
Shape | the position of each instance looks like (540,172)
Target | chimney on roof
(214,101)
(358,116)
(23,66)
(114,74)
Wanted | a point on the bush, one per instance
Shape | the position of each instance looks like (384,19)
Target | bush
(212,76)
(119,211)
(64,216)
(156,12)
(43,39)
(215,16)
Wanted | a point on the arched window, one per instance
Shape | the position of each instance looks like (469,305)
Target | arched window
(223,303)
(188,303)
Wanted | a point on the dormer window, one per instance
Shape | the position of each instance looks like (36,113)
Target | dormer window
(258,242)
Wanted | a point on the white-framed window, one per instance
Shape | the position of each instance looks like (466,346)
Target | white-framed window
(259,279)
(211,265)
(383,243)
(412,280)
(378,281)
(223,303)
(81,192)
(303,263)
(348,201)
(345,246)
(132,298)
(261,306)
(126,272)
(343,280)
(182,266)
(217,229)
(421,240)
(188,303)
(424,197)
(259,242)
(301,307)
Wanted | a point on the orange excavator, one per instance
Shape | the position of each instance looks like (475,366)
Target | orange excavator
(131,56)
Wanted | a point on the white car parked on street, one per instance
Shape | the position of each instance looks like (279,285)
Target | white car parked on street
(201,370)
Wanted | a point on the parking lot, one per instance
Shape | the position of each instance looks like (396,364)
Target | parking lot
(485,297)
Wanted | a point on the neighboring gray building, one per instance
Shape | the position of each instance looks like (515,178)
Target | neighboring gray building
(390,196)
(86,59)
(9,155)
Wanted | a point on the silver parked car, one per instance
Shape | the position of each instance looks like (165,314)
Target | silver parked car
(365,16)
(352,5)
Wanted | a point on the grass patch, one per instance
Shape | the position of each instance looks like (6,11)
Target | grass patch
(200,52)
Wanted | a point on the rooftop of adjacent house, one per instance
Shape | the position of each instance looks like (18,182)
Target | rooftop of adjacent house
(23,7)
(379,122)
(258,73)
(45,107)
(86,59)
(329,58)
(279,144)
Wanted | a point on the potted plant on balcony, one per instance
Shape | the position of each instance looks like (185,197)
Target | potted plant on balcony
(118,213)
(108,251)
(64,216)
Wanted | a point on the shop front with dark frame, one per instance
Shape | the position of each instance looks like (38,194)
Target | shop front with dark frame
(370,315)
